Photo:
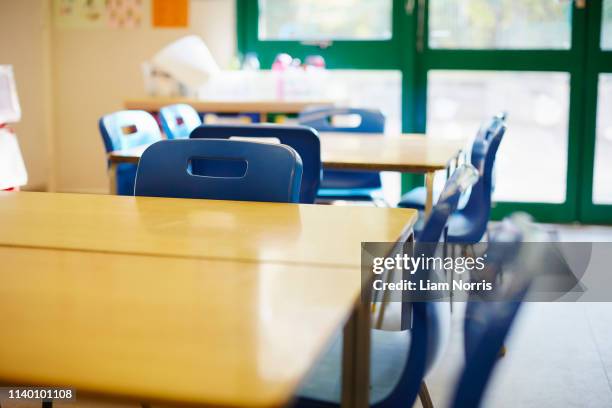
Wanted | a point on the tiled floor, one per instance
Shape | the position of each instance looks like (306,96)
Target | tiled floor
(559,354)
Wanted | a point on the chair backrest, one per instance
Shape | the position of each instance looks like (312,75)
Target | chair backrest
(460,181)
(487,323)
(321,118)
(228,170)
(488,128)
(303,139)
(478,206)
(127,129)
(430,320)
(178,121)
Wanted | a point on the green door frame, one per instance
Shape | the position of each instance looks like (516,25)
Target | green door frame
(597,62)
(409,52)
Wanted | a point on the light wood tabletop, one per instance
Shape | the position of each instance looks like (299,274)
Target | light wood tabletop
(214,229)
(184,301)
(409,153)
(166,330)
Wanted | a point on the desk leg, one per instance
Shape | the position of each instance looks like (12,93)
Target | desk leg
(429,185)
(112,178)
(356,354)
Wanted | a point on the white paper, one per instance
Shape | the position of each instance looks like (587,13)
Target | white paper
(12,169)
(187,60)
(10,111)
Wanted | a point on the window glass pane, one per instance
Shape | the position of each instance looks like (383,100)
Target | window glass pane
(500,24)
(325,19)
(606,25)
(531,163)
(602,177)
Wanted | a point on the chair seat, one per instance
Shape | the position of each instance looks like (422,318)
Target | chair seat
(415,198)
(350,179)
(323,385)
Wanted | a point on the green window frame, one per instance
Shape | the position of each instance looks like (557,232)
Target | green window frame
(409,52)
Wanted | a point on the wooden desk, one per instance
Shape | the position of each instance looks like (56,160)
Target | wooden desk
(262,107)
(166,330)
(212,229)
(408,153)
(183,301)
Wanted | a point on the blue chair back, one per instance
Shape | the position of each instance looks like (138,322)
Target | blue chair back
(430,319)
(255,171)
(371,121)
(127,129)
(178,121)
(321,118)
(478,207)
(304,140)
(124,130)
(487,323)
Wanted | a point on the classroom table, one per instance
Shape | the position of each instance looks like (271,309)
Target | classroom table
(184,302)
(406,153)
(263,107)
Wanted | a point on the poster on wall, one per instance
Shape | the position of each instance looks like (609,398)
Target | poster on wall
(124,13)
(170,13)
(88,14)
(80,13)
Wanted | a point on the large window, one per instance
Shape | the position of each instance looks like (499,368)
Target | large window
(500,24)
(531,163)
(320,20)
(606,25)
(602,178)
(547,63)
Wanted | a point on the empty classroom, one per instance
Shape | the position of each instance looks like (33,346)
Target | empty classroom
(305,203)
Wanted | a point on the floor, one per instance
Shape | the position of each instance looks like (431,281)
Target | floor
(558,354)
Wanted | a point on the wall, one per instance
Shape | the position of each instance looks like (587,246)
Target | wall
(95,70)
(25,44)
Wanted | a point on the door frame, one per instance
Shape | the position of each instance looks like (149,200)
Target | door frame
(598,62)
(409,52)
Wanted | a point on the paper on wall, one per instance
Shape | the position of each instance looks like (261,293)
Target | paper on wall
(10,111)
(170,13)
(12,169)
(124,13)
(77,14)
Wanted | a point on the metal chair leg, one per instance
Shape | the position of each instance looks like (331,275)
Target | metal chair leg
(424,396)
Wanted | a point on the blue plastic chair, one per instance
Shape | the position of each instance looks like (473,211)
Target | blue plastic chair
(487,323)
(178,121)
(125,130)
(304,140)
(228,170)
(469,224)
(416,197)
(345,184)
(399,359)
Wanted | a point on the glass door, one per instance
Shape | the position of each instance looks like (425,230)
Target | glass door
(596,180)
(525,57)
